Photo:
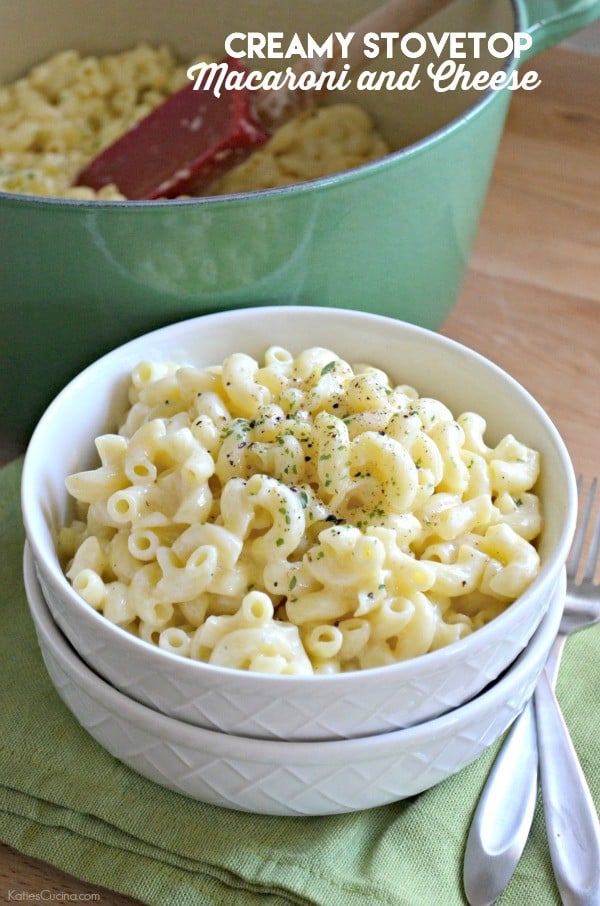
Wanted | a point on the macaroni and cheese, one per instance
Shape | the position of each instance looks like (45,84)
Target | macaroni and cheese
(299,515)
(69,108)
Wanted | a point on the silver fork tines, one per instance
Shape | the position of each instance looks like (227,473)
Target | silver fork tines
(577,547)
(582,589)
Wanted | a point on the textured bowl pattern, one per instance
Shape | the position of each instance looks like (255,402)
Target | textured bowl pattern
(287,778)
(293,707)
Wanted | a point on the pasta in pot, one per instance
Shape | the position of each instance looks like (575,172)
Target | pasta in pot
(299,515)
(69,108)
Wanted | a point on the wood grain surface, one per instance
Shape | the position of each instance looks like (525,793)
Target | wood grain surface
(530,302)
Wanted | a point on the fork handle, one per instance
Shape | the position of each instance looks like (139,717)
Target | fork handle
(571,821)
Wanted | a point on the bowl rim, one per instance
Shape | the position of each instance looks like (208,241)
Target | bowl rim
(428,663)
(301,751)
(323,182)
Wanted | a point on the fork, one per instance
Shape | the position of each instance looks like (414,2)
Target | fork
(505,811)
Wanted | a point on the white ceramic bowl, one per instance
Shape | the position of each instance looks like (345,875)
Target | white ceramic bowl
(292,707)
(275,777)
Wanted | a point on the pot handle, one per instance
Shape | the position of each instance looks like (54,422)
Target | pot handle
(551,21)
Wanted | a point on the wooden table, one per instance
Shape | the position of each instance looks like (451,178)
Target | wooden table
(531,300)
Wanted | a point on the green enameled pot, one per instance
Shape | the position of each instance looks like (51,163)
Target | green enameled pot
(393,237)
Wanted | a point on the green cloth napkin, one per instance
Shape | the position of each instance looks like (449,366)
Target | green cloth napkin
(65,800)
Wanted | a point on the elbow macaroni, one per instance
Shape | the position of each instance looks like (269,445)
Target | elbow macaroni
(300,516)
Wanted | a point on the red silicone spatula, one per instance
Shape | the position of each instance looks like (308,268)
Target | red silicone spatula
(184,144)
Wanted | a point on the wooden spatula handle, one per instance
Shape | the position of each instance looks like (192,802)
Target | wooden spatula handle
(400,16)
(275,107)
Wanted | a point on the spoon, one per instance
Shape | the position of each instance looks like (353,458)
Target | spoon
(195,137)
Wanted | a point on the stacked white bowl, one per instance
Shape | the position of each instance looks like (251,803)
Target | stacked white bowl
(293,745)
